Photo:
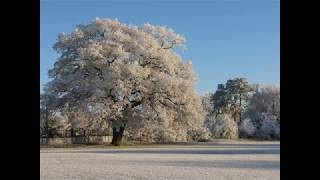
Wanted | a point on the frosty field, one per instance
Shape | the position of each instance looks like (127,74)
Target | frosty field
(219,160)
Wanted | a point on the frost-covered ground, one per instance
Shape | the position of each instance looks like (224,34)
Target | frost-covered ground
(222,160)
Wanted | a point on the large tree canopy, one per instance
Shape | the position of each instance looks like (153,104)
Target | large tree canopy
(129,75)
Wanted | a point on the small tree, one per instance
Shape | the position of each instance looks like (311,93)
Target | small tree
(246,128)
(223,126)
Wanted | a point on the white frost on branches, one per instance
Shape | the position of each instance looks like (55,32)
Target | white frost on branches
(223,126)
(246,128)
(131,75)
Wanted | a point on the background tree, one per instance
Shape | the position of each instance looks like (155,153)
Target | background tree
(127,75)
(232,98)
(222,126)
(207,103)
(260,109)
(246,128)
(264,110)
(219,124)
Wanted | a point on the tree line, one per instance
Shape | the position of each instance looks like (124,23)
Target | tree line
(241,110)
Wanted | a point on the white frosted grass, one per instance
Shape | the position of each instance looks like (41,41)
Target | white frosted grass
(231,160)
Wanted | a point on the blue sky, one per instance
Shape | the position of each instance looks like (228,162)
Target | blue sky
(225,39)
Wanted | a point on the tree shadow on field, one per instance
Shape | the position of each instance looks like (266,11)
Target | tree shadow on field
(251,145)
(212,145)
(216,149)
(220,164)
(176,151)
(186,151)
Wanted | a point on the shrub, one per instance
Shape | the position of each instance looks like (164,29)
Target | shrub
(223,126)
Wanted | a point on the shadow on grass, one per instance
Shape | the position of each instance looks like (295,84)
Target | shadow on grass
(175,151)
(187,151)
(216,164)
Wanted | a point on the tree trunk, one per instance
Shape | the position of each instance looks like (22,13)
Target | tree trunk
(117,136)
(114,134)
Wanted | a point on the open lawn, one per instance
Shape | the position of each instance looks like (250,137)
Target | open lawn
(215,160)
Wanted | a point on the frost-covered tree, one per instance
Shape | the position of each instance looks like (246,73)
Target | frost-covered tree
(270,127)
(232,97)
(222,126)
(264,110)
(265,100)
(260,105)
(127,75)
(207,103)
(246,128)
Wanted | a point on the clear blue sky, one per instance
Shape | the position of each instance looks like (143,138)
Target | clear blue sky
(225,39)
